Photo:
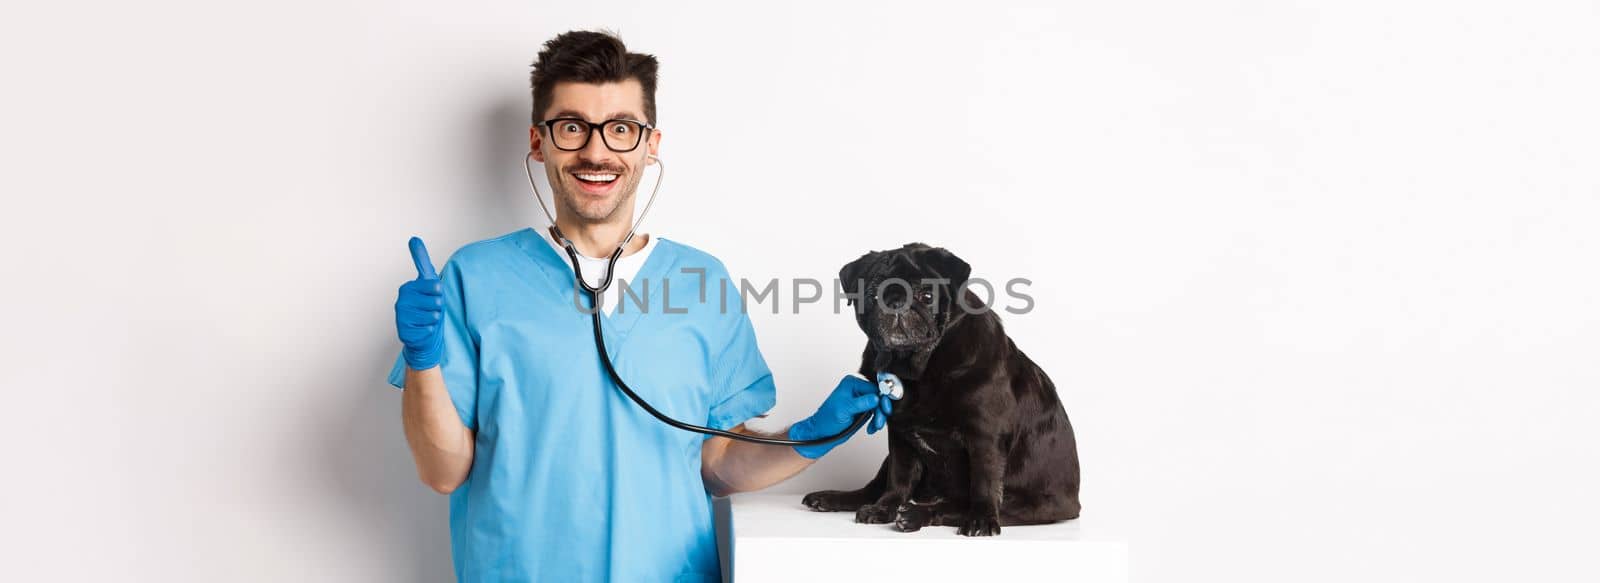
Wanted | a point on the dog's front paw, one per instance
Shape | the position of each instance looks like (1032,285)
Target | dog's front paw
(875,514)
(980,525)
(828,501)
(910,518)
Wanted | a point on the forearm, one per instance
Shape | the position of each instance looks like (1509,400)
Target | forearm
(440,444)
(730,466)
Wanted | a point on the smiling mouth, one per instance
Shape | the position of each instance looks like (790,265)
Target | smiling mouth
(603,178)
(596,183)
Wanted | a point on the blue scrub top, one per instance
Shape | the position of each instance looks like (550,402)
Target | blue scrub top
(570,480)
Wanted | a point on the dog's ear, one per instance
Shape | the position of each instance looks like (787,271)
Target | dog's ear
(852,274)
(947,265)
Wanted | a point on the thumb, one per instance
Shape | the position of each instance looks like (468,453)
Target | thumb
(862,404)
(857,386)
(419,257)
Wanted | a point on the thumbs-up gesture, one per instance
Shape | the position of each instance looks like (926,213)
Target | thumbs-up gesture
(419,313)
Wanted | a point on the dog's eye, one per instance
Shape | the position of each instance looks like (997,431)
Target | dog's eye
(925,296)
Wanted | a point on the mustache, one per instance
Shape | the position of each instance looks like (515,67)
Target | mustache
(592,168)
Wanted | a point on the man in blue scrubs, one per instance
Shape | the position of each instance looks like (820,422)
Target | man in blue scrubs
(553,475)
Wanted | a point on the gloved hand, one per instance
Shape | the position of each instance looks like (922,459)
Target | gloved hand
(852,397)
(419,313)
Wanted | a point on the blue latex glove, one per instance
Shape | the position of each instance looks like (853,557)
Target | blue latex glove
(419,313)
(852,397)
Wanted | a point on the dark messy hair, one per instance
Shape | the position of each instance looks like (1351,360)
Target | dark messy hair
(585,56)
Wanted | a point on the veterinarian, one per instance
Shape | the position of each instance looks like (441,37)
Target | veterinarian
(552,474)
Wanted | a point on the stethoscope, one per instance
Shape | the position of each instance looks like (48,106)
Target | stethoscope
(888,384)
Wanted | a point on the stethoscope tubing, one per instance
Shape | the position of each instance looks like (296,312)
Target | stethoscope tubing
(600,345)
(600,341)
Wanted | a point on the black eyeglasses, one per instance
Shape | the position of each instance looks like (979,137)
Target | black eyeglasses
(571,134)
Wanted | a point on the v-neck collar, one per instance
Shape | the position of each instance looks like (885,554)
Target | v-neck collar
(558,274)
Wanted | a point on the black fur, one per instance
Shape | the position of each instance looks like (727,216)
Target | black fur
(980,439)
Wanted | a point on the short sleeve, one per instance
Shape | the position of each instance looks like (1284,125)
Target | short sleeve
(459,363)
(742,378)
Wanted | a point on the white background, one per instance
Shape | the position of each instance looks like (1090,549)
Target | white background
(1317,280)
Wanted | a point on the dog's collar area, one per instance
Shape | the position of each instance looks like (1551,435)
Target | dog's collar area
(904,365)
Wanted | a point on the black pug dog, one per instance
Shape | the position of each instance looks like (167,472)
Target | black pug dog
(979,440)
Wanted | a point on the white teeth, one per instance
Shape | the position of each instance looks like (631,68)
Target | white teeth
(597,177)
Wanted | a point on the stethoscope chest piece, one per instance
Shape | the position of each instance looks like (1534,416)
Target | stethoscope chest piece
(890,385)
